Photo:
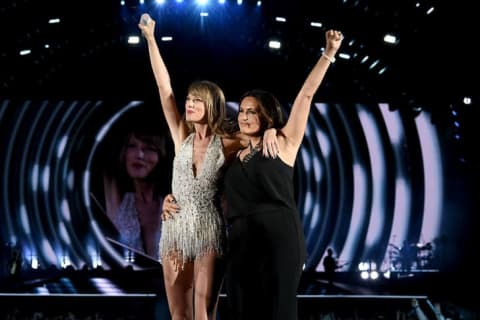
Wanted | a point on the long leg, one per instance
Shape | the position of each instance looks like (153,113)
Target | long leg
(178,282)
(208,278)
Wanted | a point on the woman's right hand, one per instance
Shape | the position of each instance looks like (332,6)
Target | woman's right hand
(169,207)
(147,26)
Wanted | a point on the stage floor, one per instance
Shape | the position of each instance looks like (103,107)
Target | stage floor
(139,294)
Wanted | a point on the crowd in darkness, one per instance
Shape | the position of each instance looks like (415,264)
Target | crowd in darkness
(415,310)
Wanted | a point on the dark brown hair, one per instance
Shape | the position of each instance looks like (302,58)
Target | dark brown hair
(271,114)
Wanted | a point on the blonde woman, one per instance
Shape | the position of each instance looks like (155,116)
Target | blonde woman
(192,244)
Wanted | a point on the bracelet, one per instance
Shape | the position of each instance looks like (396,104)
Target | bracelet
(331,59)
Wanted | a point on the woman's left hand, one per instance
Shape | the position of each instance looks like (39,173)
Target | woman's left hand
(169,207)
(270,143)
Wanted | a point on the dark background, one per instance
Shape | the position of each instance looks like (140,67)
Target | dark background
(434,62)
(89,72)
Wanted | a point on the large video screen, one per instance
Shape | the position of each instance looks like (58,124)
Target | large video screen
(370,182)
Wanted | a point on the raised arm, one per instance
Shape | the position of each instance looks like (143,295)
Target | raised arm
(294,129)
(177,126)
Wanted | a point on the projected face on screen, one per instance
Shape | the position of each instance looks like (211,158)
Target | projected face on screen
(134,168)
(367,179)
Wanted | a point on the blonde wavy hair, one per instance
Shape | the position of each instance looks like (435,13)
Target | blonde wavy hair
(215,105)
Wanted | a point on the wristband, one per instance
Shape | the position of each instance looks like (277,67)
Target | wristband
(331,59)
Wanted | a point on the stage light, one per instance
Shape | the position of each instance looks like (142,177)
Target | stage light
(54,20)
(34,262)
(363,266)
(364,275)
(133,40)
(374,64)
(344,56)
(368,270)
(129,256)
(387,274)
(467,100)
(96,261)
(274,44)
(391,39)
(65,262)
(25,52)
(382,71)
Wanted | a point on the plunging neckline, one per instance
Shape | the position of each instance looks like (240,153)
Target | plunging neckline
(253,151)
(199,173)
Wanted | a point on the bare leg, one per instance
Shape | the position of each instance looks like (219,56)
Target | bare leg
(208,279)
(179,287)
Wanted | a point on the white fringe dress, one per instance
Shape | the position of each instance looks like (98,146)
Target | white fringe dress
(198,227)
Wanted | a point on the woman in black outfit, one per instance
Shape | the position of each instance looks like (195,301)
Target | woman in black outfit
(266,240)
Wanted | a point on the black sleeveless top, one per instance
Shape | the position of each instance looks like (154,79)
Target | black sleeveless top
(259,185)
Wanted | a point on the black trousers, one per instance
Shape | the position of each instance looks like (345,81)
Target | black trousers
(266,253)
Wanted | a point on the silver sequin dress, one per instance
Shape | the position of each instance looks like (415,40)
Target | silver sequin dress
(199,226)
(128,225)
